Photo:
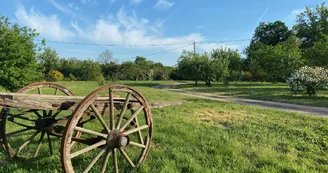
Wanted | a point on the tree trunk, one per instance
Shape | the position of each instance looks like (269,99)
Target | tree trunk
(196,82)
(208,83)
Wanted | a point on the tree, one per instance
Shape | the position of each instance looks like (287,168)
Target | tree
(275,63)
(17,55)
(220,62)
(69,67)
(311,24)
(206,67)
(89,70)
(48,60)
(143,66)
(129,70)
(271,33)
(105,57)
(317,55)
(189,66)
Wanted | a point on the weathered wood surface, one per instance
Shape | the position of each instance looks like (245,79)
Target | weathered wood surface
(49,102)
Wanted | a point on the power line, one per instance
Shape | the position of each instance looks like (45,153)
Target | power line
(159,52)
(143,45)
(228,41)
(113,45)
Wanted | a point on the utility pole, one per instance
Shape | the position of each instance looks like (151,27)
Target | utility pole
(194,48)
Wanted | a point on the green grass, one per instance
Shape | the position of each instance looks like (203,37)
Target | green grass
(211,136)
(277,92)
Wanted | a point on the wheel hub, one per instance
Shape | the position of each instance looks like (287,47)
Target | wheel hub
(116,139)
(45,124)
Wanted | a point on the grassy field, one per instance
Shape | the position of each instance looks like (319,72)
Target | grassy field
(278,92)
(211,136)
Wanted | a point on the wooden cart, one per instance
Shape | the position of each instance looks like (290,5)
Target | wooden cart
(112,126)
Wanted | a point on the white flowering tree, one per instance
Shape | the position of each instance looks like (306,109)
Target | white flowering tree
(309,80)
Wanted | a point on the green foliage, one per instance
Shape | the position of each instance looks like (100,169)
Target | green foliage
(317,55)
(17,55)
(309,80)
(271,33)
(207,67)
(274,63)
(89,70)
(234,61)
(311,24)
(48,60)
(55,75)
(101,80)
(189,66)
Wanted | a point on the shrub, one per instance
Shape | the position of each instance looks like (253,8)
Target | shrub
(309,80)
(55,75)
(248,75)
(101,80)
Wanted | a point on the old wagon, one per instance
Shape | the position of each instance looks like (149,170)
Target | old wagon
(110,127)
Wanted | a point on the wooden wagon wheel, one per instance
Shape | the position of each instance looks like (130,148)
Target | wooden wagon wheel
(19,127)
(125,140)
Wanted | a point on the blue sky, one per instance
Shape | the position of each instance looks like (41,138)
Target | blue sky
(156,29)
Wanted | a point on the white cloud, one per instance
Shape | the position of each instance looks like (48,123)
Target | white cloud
(136,1)
(95,2)
(127,29)
(48,26)
(62,8)
(163,4)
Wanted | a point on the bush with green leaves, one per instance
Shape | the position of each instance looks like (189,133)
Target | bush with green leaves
(309,80)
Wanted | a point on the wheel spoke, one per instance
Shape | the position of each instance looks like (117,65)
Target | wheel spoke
(37,113)
(103,123)
(56,91)
(84,122)
(111,110)
(90,132)
(39,144)
(127,158)
(44,113)
(139,132)
(40,91)
(84,150)
(20,117)
(136,129)
(115,160)
(18,131)
(27,142)
(56,114)
(105,161)
(94,160)
(49,113)
(137,144)
(131,118)
(30,127)
(50,144)
(125,105)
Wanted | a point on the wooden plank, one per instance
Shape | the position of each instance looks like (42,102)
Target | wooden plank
(50,102)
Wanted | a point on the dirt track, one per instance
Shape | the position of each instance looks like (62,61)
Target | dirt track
(319,111)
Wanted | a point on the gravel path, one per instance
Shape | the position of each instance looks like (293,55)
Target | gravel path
(319,111)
